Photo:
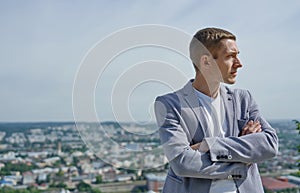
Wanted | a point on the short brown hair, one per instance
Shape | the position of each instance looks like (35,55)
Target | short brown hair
(208,41)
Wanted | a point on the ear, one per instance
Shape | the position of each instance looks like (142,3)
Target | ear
(204,61)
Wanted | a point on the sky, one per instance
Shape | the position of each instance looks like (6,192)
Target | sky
(44,43)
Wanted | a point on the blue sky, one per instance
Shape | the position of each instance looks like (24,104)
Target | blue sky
(44,42)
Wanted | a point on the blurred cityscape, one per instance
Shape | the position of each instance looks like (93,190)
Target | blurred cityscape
(111,157)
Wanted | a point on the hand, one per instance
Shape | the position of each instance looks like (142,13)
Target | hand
(196,146)
(201,146)
(251,127)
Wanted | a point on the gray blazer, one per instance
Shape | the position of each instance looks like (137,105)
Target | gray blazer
(181,124)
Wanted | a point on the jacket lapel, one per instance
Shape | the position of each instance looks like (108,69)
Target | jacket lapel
(191,99)
(229,107)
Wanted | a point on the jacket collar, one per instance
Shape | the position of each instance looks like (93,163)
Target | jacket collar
(188,89)
(192,100)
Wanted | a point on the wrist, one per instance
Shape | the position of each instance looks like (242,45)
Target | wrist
(203,147)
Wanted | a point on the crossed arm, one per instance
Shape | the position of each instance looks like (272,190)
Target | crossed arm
(251,127)
(199,164)
(256,142)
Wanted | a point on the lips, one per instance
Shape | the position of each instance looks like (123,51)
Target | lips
(234,73)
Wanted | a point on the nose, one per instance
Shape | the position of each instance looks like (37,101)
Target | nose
(237,63)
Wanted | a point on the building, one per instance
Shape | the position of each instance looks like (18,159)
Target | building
(28,178)
(274,185)
(155,182)
(293,179)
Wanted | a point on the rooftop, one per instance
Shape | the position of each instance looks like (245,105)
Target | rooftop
(274,184)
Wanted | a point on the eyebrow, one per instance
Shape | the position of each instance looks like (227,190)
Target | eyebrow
(232,52)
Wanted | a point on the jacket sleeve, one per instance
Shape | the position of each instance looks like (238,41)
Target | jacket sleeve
(251,148)
(185,161)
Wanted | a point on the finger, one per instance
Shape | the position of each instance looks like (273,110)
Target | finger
(249,128)
(246,128)
(248,131)
(260,130)
(250,123)
(256,127)
(256,123)
(252,128)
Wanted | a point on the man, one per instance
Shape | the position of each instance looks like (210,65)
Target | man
(212,135)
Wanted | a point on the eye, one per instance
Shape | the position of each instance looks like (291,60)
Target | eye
(234,55)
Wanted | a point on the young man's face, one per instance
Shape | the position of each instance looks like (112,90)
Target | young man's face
(228,61)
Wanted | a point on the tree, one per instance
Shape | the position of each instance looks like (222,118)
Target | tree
(84,187)
(99,179)
(298,129)
(60,173)
(297,125)
(59,185)
(11,190)
(96,191)
(21,167)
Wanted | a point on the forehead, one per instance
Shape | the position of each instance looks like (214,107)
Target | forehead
(229,46)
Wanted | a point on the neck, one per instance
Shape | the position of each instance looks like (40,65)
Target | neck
(207,87)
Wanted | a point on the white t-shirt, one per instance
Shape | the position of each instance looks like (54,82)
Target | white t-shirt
(214,115)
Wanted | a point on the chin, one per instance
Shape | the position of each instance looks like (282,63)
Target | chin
(230,81)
